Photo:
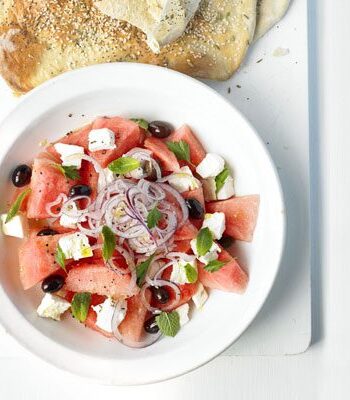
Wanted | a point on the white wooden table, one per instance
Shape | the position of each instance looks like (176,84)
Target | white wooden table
(323,371)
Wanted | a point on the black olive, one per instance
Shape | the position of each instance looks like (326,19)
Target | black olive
(79,190)
(225,241)
(150,171)
(160,294)
(47,232)
(21,175)
(195,208)
(151,326)
(52,283)
(160,129)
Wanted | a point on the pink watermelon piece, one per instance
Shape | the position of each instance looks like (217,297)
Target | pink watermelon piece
(46,184)
(127,136)
(161,152)
(229,278)
(241,215)
(131,328)
(186,232)
(197,151)
(182,246)
(37,258)
(94,277)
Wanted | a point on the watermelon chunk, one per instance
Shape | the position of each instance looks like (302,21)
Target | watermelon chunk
(197,151)
(37,258)
(131,328)
(182,246)
(94,277)
(186,232)
(230,278)
(161,152)
(241,215)
(46,184)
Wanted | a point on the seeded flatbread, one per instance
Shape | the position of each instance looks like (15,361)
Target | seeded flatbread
(40,39)
(269,12)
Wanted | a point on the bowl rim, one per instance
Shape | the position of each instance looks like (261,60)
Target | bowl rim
(218,97)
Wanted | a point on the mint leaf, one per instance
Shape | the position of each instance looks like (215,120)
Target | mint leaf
(69,171)
(204,241)
(214,265)
(181,149)
(80,306)
(109,243)
(17,205)
(221,178)
(142,269)
(153,217)
(191,273)
(168,323)
(60,257)
(123,165)
(142,123)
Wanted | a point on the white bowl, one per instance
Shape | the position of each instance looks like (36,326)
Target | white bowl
(136,90)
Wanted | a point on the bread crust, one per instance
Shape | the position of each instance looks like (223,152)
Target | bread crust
(40,39)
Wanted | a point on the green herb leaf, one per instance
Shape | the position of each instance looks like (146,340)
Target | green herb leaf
(142,269)
(181,149)
(60,257)
(191,273)
(109,243)
(69,171)
(204,241)
(221,178)
(214,265)
(80,306)
(153,217)
(17,205)
(142,123)
(123,165)
(168,323)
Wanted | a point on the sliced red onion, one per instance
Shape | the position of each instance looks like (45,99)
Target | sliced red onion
(61,198)
(172,285)
(180,200)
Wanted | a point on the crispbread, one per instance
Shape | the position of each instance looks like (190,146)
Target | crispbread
(40,39)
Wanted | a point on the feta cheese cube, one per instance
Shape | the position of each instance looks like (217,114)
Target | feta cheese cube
(105,312)
(67,220)
(178,273)
(209,189)
(67,150)
(211,255)
(52,306)
(101,139)
(216,224)
(184,180)
(75,246)
(228,190)
(137,173)
(183,313)
(210,166)
(200,297)
(15,227)
(110,177)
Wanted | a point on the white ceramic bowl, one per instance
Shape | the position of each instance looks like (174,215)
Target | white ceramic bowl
(135,90)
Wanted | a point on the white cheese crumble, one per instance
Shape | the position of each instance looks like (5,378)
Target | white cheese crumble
(178,273)
(184,180)
(15,227)
(200,297)
(211,255)
(66,220)
(75,246)
(105,312)
(216,224)
(52,306)
(101,139)
(67,150)
(110,177)
(210,166)
(183,313)
(228,189)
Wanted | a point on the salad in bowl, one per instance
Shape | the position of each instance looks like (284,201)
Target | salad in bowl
(127,226)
